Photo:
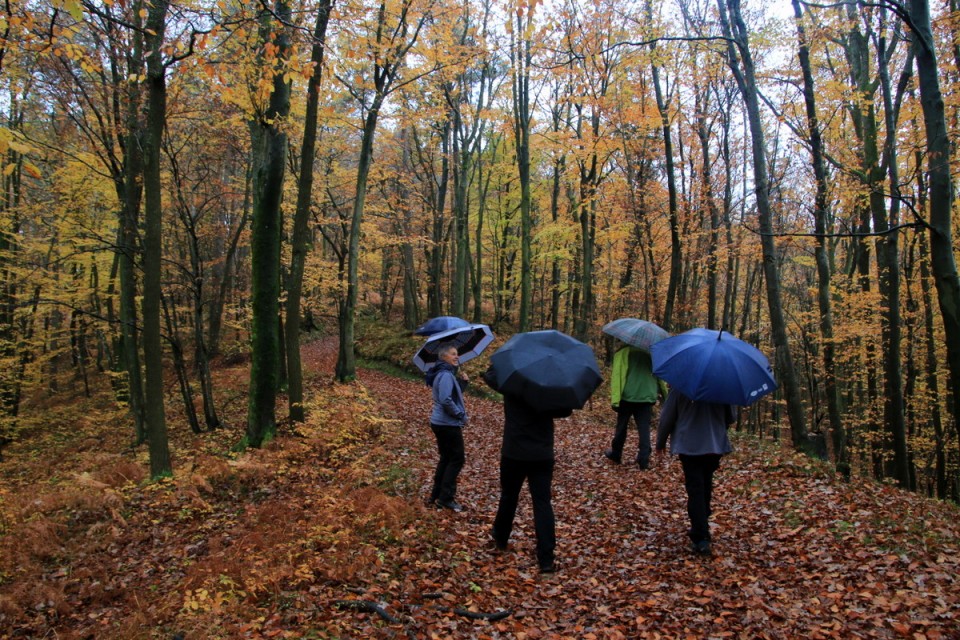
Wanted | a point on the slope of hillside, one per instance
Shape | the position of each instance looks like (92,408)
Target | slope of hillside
(323,534)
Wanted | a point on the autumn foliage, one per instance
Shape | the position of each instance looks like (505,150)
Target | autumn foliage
(322,533)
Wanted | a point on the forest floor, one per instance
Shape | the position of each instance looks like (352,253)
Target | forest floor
(323,534)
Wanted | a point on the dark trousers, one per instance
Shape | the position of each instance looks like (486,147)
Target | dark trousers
(539,477)
(452,458)
(698,479)
(640,412)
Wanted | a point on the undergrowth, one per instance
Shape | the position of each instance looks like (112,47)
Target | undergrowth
(229,533)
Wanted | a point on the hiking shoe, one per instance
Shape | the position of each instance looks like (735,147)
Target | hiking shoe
(452,505)
(611,456)
(702,548)
(547,569)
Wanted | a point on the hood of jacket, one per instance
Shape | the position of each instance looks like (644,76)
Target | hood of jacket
(435,370)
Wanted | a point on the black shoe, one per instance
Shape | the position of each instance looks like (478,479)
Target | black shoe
(643,466)
(547,569)
(702,548)
(495,547)
(611,456)
(452,505)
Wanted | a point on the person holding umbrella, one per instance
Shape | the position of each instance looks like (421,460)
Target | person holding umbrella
(698,435)
(526,455)
(709,372)
(633,388)
(542,375)
(447,420)
(633,392)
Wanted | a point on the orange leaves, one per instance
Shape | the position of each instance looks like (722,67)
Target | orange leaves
(333,512)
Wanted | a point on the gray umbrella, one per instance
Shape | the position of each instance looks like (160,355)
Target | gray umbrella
(641,334)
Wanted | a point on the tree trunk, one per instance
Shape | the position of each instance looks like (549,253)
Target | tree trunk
(435,253)
(821,216)
(153,242)
(888,267)
(346,358)
(301,233)
(180,368)
(740,61)
(215,319)
(676,248)
(128,247)
(270,154)
(943,262)
(520,76)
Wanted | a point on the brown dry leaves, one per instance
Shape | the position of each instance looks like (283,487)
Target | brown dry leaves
(266,544)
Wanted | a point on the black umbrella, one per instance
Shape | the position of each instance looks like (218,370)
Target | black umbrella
(549,370)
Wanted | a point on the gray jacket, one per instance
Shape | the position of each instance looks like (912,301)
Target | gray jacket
(449,409)
(694,428)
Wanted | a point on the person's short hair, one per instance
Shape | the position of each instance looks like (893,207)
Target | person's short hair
(446,348)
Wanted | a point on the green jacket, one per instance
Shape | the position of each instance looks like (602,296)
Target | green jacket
(632,377)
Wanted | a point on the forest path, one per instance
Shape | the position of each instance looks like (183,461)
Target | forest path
(323,533)
(797,552)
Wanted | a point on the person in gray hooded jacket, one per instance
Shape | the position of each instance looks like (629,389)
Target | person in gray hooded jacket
(447,420)
(698,434)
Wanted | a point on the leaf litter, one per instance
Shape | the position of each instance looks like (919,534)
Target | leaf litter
(323,533)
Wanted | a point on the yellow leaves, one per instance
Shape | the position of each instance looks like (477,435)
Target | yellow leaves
(73,7)
(203,601)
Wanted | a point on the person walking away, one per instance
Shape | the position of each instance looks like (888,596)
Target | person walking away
(527,454)
(698,435)
(633,392)
(447,420)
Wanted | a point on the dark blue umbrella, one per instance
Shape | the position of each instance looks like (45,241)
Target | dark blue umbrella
(549,370)
(713,366)
(439,324)
(470,341)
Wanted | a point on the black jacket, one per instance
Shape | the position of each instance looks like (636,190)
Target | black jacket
(527,433)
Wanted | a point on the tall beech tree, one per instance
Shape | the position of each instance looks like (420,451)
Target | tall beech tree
(822,253)
(943,261)
(394,32)
(740,61)
(469,95)
(520,28)
(301,217)
(156,84)
(676,247)
(269,144)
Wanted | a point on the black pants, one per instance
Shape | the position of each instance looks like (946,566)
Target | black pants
(640,412)
(698,479)
(452,458)
(539,477)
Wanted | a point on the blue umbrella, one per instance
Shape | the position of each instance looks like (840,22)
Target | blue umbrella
(439,324)
(470,342)
(549,370)
(713,366)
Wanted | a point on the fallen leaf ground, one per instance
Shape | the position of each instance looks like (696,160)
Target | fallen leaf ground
(323,534)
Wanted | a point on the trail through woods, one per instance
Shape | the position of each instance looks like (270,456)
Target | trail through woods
(324,534)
